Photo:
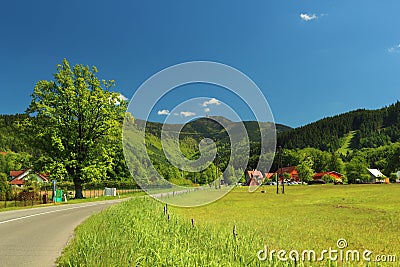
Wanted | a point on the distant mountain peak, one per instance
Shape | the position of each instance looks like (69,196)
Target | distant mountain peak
(220,119)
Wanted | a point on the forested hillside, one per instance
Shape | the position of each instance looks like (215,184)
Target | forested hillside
(12,136)
(373,128)
(190,136)
(348,143)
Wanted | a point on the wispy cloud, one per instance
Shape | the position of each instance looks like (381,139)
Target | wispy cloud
(206,110)
(187,113)
(212,101)
(394,49)
(163,112)
(309,17)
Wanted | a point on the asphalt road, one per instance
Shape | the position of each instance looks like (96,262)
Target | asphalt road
(36,237)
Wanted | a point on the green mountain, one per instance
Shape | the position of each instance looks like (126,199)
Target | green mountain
(355,130)
(190,136)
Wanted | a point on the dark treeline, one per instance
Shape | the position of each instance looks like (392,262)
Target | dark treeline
(12,136)
(373,128)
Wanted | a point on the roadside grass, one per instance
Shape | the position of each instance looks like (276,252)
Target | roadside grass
(197,197)
(139,233)
(70,201)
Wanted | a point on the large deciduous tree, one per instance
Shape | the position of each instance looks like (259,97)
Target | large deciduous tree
(77,122)
(357,169)
(305,169)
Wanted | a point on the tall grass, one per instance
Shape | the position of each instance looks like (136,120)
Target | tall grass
(143,232)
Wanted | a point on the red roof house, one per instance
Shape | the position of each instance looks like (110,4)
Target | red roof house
(292,171)
(269,175)
(19,177)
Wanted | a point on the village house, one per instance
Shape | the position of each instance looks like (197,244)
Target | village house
(377,177)
(19,178)
(337,177)
(292,171)
(269,175)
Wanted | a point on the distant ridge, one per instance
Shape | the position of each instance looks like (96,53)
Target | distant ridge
(209,125)
(367,129)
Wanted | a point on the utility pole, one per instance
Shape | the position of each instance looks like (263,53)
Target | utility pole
(216,169)
(280,164)
(277,178)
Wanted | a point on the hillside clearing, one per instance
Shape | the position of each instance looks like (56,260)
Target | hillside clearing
(346,142)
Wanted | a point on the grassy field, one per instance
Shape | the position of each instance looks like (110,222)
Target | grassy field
(140,233)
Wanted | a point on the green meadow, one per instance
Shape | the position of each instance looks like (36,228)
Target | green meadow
(233,230)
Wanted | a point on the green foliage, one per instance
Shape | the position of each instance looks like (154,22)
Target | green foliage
(13,136)
(393,177)
(305,169)
(181,181)
(328,179)
(230,175)
(5,188)
(77,122)
(335,163)
(15,162)
(286,176)
(357,169)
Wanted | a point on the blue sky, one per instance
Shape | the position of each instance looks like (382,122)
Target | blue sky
(311,59)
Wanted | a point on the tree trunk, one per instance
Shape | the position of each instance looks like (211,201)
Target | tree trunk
(78,189)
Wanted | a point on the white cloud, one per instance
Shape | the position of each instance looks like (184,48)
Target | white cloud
(187,113)
(163,112)
(206,110)
(394,49)
(308,17)
(122,97)
(212,101)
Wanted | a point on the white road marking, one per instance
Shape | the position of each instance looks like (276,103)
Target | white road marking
(47,212)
